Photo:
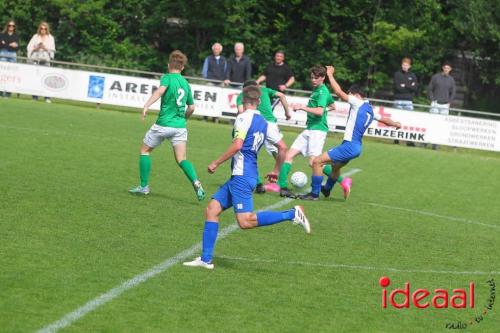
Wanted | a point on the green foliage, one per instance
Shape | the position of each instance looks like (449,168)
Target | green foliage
(364,39)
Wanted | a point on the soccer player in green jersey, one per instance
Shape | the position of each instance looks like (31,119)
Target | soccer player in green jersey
(310,142)
(277,150)
(176,106)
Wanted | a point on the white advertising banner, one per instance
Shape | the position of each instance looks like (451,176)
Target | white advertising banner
(215,101)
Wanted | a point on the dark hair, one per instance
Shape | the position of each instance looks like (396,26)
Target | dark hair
(177,60)
(357,89)
(318,71)
(446,63)
(249,83)
(251,95)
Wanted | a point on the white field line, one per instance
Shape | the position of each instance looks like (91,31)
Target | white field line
(359,267)
(102,299)
(446,217)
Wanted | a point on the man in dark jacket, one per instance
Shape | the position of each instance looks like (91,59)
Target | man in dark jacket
(278,75)
(239,68)
(215,65)
(405,88)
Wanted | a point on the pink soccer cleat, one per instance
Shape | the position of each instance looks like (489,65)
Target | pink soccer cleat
(346,187)
(272,187)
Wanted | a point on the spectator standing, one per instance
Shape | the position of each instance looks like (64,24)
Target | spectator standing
(278,75)
(215,65)
(239,67)
(441,92)
(42,48)
(9,44)
(405,88)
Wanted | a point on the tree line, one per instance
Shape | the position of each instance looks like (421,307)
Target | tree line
(364,39)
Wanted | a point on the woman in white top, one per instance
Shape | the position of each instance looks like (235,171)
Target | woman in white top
(41,48)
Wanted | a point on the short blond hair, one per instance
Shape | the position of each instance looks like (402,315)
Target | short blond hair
(177,60)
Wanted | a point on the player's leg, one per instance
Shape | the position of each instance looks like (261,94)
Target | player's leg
(327,171)
(151,140)
(179,144)
(241,194)
(221,200)
(284,171)
(317,178)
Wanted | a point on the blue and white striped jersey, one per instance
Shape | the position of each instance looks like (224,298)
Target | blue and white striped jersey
(360,117)
(251,127)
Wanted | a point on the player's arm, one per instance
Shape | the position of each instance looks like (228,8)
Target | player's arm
(318,111)
(152,99)
(284,102)
(389,122)
(261,79)
(189,103)
(235,147)
(335,86)
(189,110)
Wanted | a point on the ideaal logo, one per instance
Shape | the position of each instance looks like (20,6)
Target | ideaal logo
(422,298)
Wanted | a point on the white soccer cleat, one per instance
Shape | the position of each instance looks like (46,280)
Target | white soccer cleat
(199,263)
(300,218)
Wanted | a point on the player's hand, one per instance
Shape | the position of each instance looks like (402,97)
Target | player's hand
(211,167)
(297,107)
(330,70)
(272,177)
(226,82)
(282,87)
(397,124)
(288,116)
(331,107)
(144,111)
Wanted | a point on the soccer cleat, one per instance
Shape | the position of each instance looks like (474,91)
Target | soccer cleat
(260,189)
(198,189)
(301,219)
(346,187)
(142,190)
(309,196)
(325,192)
(285,192)
(272,187)
(197,262)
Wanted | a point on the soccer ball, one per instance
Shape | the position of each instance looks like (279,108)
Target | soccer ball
(299,179)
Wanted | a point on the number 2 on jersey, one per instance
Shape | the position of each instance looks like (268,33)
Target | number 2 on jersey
(181,93)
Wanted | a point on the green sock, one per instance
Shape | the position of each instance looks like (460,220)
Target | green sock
(327,170)
(189,171)
(283,176)
(145,169)
(259,180)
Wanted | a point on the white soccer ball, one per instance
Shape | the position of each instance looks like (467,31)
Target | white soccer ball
(299,179)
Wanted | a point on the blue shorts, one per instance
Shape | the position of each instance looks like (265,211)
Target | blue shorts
(237,192)
(345,152)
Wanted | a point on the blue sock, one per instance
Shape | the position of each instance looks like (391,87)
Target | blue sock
(209,238)
(316,185)
(329,184)
(268,217)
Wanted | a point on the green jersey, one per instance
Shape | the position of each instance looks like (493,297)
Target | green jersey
(265,106)
(320,97)
(174,101)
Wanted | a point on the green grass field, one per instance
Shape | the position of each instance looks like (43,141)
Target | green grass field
(70,232)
